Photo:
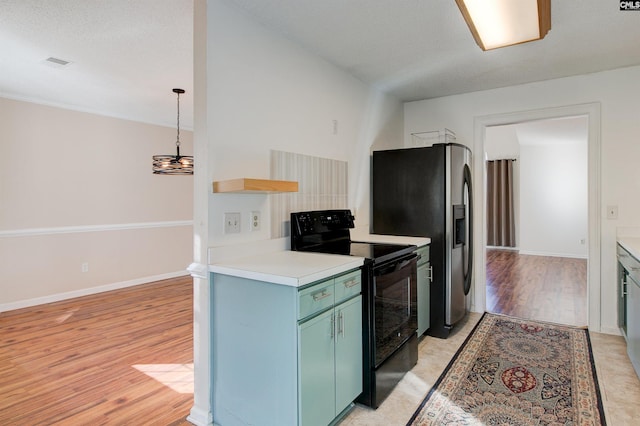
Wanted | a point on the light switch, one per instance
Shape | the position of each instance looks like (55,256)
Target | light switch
(231,223)
(612,212)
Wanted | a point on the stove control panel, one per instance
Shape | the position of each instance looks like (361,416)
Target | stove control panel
(321,221)
(311,230)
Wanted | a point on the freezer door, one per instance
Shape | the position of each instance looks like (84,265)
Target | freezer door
(459,233)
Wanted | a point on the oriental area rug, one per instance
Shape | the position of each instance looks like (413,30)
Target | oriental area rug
(516,372)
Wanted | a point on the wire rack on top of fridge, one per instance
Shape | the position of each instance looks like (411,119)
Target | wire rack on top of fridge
(432,137)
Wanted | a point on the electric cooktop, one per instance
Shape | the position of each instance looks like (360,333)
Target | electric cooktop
(328,231)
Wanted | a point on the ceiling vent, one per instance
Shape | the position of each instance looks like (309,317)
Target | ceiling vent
(56,62)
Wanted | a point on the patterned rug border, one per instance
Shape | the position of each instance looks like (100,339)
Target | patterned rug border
(471,334)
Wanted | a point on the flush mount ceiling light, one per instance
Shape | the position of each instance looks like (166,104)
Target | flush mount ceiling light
(500,23)
(174,164)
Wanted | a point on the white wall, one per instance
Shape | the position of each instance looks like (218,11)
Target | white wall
(77,188)
(264,92)
(554,199)
(619,99)
(550,183)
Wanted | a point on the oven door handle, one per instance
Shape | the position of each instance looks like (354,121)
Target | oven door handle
(395,265)
(407,262)
(403,264)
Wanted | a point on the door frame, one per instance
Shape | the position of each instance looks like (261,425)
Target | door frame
(592,112)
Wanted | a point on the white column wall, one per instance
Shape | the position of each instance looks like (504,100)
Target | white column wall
(264,92)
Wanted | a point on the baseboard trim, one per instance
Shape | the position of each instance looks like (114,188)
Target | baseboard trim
(611,330)
(502,248)
(4,307)
(200,417)
(567,255)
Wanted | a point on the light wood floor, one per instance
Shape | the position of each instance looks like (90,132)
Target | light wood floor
(72,363)
(92,360)
(537,287)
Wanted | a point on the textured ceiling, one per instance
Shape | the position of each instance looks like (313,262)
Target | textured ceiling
(420,49)
(127,55)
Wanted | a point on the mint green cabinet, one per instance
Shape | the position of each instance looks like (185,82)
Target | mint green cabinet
(317,370)
(629,303)
(330,353)
(348,352)
(424,289)
(283,355)
(633,324)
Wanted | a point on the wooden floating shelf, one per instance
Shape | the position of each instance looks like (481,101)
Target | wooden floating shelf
(255,186)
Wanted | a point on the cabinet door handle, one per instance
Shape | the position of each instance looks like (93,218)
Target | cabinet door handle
(333,325)
(430,274)
(350,283)
(340,324)
(321,295)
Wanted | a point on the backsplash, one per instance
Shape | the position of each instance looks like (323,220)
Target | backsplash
(322,184)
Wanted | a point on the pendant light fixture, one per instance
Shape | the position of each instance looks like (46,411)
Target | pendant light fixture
(174,164)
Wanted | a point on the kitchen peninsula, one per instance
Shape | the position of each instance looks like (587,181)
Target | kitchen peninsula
(286,338)
(287,335)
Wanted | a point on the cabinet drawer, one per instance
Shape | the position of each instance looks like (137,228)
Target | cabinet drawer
(315,298)
(423,252)
(630,263)
(348,285)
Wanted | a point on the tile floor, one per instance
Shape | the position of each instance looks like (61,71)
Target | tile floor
(619,385)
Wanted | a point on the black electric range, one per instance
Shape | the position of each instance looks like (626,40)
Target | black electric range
(389,299)
(328,231)
(374,252)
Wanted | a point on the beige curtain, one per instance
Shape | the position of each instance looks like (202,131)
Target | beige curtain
(501,228)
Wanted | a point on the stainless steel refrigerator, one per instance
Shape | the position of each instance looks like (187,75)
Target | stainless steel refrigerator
(427,192)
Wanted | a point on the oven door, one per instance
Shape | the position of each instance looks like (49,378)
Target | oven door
(395,312)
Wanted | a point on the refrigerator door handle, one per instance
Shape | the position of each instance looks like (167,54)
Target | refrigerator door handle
(467,183)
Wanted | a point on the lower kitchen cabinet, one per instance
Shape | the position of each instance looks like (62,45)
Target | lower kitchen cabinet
(629,303)
(282,355)
(348,353)
(633,324)
(330,362)
(424,289)
(623,277)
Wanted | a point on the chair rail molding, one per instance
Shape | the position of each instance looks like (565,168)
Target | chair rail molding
(28,232)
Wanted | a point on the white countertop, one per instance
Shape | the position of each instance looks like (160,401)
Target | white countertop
(268,263)
(293,268)
(632,245)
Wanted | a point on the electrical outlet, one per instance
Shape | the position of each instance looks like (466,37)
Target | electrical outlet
(231,223)
(84,267)
(612,212)
(254,224)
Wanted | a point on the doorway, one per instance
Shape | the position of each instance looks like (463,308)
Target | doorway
(592,113)
(537,200)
